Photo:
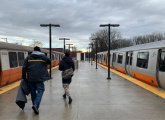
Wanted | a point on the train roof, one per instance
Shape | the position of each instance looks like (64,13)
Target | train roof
(12,46)
(151,45)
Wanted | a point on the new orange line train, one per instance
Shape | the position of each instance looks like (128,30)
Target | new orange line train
(12,58)
(145,62)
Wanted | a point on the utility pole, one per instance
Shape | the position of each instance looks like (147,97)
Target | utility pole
(50,42)
(96,49)
(91,53)
(64,41)
(87,56)
(109,41)
(69,46)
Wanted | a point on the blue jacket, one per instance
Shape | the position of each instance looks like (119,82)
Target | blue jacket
(35,67)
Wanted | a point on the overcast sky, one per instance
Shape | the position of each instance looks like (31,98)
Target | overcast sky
(20,19)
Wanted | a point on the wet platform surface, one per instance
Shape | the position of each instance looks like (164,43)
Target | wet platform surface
(94,98)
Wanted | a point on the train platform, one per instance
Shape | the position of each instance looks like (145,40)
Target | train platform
(94,98)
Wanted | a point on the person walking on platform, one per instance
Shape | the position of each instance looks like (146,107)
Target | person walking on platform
(67,67)
(34,70)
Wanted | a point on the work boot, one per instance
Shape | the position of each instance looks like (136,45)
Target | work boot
(70,100)
(64,96)
(35,109)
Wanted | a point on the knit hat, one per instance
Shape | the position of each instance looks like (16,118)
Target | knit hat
(67,53)
(36,48)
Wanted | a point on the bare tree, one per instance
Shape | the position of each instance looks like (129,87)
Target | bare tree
(102,39)
(36,43)
(148,38)
(118,42)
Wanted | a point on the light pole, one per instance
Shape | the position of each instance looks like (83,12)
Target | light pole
(72,53)
(87,56)
(91,53)
(69,46)
(50,42)
(64,41)
(109,36)
(96,47)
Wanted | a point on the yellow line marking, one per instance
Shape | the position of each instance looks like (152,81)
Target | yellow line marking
(14,85)
(56,67)
(158,91)
(9,87)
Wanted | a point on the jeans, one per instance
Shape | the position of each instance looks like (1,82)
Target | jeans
(36,89)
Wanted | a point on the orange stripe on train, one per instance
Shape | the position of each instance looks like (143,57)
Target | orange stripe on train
(118,68)
(11,75)
(146,78)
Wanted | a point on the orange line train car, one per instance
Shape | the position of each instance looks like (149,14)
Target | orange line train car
(12,58)
(145,62)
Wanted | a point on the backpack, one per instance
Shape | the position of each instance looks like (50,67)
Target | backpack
(67,74)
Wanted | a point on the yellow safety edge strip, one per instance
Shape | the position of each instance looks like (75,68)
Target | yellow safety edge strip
(14,85)
(9,87)
(159,92)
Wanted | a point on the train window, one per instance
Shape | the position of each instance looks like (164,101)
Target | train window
(120,58)
(101,58)
(20,58)
(13,59)
(162,62)
(55,56)
(142,59)
(127,58)
(48,55)
(52,57)
(59,57)
(131,58)
(114,57)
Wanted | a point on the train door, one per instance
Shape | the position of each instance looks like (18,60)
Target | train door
(113,59)
(0,64)
(128,63)
(82,56)
(110,60)
(161,70)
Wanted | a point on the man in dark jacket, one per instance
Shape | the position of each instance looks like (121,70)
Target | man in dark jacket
(65,64)
(35,72)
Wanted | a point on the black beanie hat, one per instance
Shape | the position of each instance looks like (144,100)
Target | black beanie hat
(36,48)
(67,53)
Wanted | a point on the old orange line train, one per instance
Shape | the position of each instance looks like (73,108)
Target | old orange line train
(145,62)
(11,60)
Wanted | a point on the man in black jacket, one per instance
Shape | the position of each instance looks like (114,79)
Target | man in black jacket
(35,72)
(65,64)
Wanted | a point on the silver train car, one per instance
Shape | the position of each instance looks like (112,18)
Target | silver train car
(12,58)
(145,62)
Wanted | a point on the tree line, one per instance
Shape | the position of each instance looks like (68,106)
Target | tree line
(117,41)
